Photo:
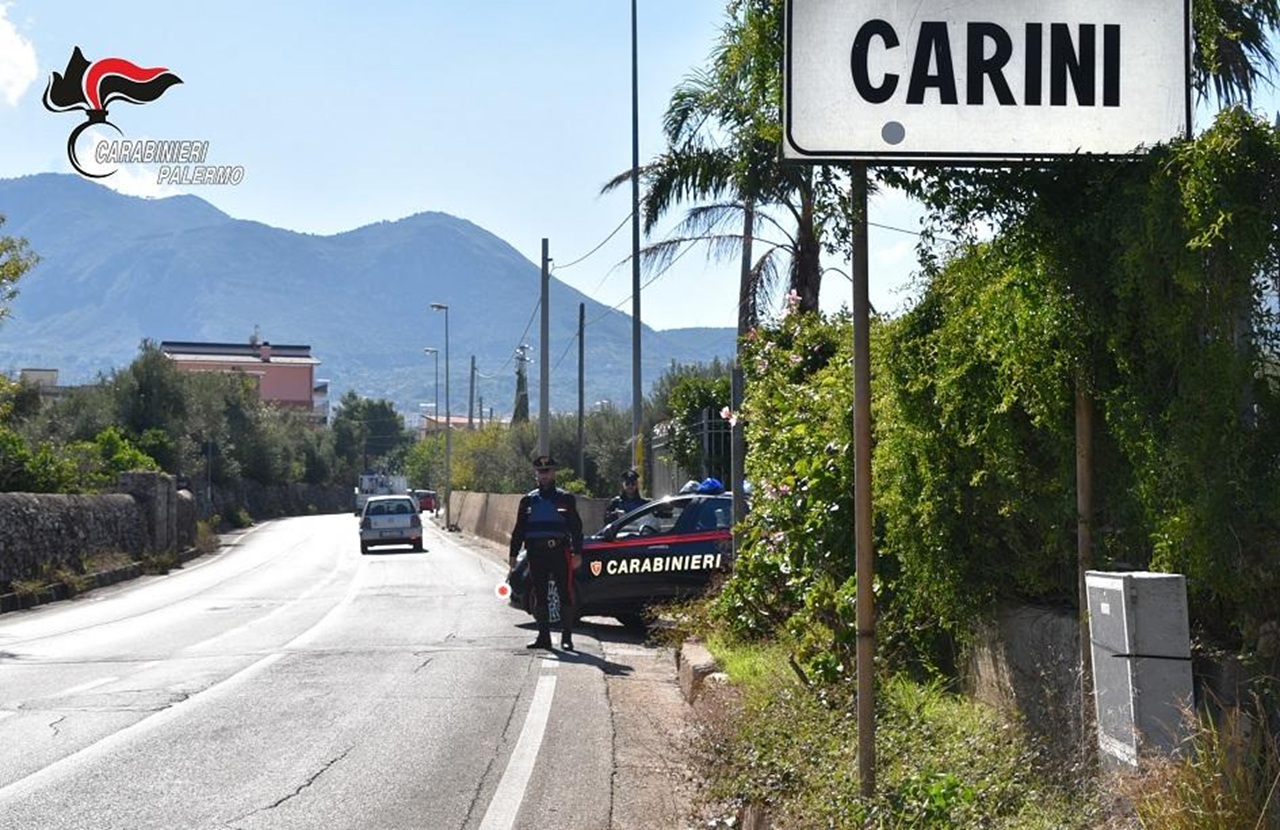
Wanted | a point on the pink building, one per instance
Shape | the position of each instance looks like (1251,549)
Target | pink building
(284,374)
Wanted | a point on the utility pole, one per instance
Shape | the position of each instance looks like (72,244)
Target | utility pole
(636,394)
(544,354)
(582,444)
(448,422)
(471,396)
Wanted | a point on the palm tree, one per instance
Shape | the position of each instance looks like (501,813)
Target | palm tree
(1233,50)
(722,130)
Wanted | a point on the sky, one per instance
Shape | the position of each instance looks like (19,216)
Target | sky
(510,114)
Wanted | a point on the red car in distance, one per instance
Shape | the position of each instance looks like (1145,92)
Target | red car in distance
(427,500)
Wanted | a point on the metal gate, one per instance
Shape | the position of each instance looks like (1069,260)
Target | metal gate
(714,443)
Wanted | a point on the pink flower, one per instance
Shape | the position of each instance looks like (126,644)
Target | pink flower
(792,301)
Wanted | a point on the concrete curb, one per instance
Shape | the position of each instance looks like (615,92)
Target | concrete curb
(60,591)
(694,664)
(99,579)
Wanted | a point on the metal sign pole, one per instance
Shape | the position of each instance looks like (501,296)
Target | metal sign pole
(864,545)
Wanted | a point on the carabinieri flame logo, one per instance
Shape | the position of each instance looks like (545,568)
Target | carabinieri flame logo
(92,87)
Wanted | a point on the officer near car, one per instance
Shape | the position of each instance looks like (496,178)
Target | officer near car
(549,528)
(629,499)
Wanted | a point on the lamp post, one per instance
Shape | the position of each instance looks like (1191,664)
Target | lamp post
(448,417)
(436,354)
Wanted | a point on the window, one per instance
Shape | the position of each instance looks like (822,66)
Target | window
(660,518)
(712,518)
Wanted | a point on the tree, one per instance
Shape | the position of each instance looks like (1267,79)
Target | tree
(424,463)
(689,400)
(150,394)
(1233,48)
(607,433)
(1143,282)
(16,259)
(1158,264)
(798,534)
(520,413)
(723,128)
(370,434)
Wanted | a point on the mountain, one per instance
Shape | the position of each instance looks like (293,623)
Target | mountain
(117,269)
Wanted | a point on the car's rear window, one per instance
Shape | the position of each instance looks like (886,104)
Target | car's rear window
(385,508)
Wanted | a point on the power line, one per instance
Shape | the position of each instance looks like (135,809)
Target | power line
(525,335)
(621,225)
(617,306)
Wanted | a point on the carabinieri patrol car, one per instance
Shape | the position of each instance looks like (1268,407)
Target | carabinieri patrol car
(668,549)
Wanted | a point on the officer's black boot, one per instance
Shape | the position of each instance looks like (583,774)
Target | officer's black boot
(567,615)
(544,636)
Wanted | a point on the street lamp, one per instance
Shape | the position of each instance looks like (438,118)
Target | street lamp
(448,421)
(436,354)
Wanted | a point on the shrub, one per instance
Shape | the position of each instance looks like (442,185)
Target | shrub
(1228,776)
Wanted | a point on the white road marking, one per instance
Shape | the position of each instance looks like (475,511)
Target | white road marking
(505,803)
(47,775)
(25,786)
(357,582)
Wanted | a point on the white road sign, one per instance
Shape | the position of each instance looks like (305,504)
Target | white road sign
(983,80)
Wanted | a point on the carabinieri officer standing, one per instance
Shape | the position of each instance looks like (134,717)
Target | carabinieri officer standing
(549,528)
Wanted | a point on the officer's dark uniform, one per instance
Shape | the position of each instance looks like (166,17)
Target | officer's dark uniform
(625,502)
(549,528)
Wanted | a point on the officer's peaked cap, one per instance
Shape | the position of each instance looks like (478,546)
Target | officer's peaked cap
(545,462)
(630,475)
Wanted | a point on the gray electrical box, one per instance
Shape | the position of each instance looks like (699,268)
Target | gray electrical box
(1141,647)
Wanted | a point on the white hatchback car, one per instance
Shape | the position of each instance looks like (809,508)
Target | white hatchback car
(390,520)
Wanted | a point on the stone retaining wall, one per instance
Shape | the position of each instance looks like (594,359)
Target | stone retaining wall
(1027,661)
(263,501)
(157,496)
(40,532)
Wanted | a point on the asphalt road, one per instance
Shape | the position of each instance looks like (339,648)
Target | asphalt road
(287,681)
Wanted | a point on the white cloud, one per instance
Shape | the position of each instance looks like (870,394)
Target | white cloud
(18,66)
(130,179)
(138,180)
